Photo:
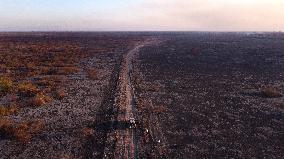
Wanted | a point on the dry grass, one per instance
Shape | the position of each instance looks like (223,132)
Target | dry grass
(279,104)
(7,110)
(5,126)
(51,83)
(87,132)
(271,92)
(92,73)
(67,70)
(45,82)
(27,89)
(64,156)
(30,65)
(159,109)
(44,63)
(6,85)
(20,131)
(139,103)
(60,94)
(39,100)
(152,87)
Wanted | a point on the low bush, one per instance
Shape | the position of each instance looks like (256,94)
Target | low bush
(279,104)
(87,132)
(60,94)
(7,110)
(39,100)
(67,70)
(27,89)
(5,126)
(64,156)
(271,92)
(20,131)
(6,85)
(44,82)
(158,109)
(92,73)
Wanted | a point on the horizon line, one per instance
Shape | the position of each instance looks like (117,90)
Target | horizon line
(88,31)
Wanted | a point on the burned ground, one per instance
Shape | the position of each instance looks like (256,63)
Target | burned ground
(196,95)
(208,95)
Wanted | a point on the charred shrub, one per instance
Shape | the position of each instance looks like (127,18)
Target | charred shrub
(92,73)
(270,92)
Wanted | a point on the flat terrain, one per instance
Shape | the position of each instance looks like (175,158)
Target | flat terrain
(60,86)
(141,95)
(214,95)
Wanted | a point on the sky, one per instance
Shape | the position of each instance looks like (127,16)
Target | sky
(141,15)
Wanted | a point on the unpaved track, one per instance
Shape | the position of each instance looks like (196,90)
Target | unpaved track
(125,135)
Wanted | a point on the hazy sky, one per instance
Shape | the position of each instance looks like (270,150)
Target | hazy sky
(132,15)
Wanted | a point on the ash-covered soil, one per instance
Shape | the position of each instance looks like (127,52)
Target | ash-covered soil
(204,95)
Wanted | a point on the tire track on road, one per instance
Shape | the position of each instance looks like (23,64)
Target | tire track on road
(124,124)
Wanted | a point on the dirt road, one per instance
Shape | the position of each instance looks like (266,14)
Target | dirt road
(124,135)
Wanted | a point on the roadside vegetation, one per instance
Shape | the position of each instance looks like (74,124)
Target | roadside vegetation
(20,131)
(32,74)
(35,70)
